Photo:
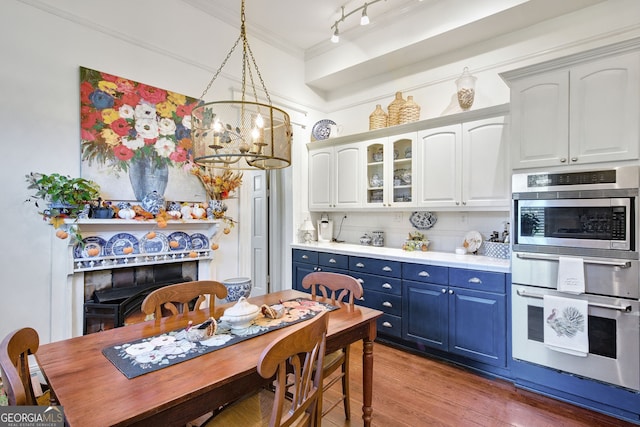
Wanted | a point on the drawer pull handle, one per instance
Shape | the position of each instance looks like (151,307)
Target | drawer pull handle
(360,265)
(305,257)
(387,286)
(387,325)
(332,261)
(424,274)
(475,280)
(387,304)
(386,268)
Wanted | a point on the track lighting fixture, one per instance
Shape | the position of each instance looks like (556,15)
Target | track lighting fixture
(364,19)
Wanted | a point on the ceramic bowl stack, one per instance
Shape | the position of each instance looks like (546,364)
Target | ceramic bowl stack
(237,288)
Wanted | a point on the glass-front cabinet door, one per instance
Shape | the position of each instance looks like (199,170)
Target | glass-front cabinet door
(390,168)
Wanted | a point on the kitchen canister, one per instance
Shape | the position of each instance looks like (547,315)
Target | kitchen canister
(466,85)
(378,238)
(394,109)
(378,119)
(409,112)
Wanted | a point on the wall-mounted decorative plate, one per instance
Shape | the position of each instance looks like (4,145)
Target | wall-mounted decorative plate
(91,242)
(199,241)
(116,244)
(183,240)
(423,220)
(321,129)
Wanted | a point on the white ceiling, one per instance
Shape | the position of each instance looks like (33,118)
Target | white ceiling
(401,33)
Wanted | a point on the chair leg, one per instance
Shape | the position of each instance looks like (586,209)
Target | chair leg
(345,385)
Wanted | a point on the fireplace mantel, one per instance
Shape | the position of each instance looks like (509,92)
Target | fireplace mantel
(67,273)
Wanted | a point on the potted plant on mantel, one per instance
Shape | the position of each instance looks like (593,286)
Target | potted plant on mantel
(64,196)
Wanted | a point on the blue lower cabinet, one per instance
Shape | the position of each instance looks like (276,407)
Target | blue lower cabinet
(477,325)
(425,317)
(390,325)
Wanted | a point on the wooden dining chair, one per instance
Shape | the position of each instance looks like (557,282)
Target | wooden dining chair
(182,295)
(338,288)
(14,366)
(296,361)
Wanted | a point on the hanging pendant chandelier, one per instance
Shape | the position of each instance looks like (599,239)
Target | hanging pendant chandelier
(244,134)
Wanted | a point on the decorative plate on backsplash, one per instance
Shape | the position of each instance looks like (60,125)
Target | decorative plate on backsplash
(321,129)
(423,220)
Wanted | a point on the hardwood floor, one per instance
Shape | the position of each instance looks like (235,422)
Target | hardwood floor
(411,390)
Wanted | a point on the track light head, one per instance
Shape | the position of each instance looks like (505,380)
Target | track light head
(335,38)
(364,19)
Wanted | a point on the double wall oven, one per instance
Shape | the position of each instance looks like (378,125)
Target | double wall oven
(590,216)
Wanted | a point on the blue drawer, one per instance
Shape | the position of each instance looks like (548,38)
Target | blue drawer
(478,280)
(389,285)
(375,266)
(425,273)
(389,324)
(300,255)
(391,304)
(333,260)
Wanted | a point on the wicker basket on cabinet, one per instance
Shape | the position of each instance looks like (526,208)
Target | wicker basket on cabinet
(394,109)
(378,119)
(409,112)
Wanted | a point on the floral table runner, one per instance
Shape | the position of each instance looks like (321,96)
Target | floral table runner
(150,354)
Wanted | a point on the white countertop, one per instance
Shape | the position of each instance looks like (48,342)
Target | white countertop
(473,262)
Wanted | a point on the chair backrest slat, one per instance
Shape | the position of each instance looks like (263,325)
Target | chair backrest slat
(176,298)
(302,352)
(335,286)
(14,365)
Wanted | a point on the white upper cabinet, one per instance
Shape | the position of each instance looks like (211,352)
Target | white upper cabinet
(390,171)
(464,166)
(335,177)
(577,110)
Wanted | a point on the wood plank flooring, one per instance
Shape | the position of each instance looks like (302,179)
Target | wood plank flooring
(411,390)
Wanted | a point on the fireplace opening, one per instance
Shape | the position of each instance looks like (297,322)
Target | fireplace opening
(113,297)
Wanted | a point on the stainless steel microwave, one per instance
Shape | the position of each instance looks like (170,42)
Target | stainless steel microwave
(579,213)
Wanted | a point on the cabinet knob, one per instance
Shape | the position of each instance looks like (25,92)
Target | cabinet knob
(386,268)
(386,286)
(317,269)
(360,265)
(423,274)
(360,280)
(475,280)
(305,257)
(444,291)
(332,261)
(464,203)
(457,203)
(387,304)
(574,159)
(387,325)
(563,160)
(450,291)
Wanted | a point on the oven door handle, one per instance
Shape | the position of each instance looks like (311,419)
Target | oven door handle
(544,257)
(625,308)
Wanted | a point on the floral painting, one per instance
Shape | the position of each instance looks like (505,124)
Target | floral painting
(136,138)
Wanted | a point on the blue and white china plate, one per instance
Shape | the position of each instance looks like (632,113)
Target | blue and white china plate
(472,240)
(423,220)
(321,129)
(117,243)
(89,243)
(183,239)
(199,241)
(159,243)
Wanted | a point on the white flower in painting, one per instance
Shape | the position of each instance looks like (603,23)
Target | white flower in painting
(186,121)
(145,111)
(164,147)
(126,111)
(167,126)
(133,144)
(147,129)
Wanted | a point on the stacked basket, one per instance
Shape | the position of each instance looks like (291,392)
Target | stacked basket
(378,119)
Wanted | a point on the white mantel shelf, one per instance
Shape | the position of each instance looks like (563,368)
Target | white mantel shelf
(67,273)
(445,259)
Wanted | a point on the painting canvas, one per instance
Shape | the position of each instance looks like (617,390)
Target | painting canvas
(136,139)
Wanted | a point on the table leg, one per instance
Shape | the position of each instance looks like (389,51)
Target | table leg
(367,380)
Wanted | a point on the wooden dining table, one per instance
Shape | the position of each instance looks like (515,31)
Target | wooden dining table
(93,392)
